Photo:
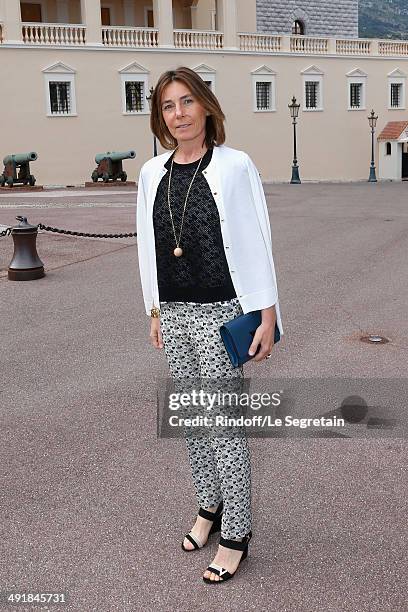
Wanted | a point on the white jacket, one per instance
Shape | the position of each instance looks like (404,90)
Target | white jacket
(238,193)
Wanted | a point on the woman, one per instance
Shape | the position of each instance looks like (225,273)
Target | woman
(205,257)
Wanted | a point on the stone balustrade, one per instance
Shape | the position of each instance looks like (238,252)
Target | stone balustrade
(54,34)
(198,39)
(130,37)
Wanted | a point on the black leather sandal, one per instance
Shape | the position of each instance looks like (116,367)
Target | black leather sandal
(221,571)
(214,517)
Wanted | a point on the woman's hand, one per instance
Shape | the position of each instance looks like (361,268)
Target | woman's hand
(155,333)
(264,335)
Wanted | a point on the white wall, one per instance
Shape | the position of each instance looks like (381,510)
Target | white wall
(390,166)
(334,144)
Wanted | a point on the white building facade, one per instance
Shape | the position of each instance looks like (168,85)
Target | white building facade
(75,76)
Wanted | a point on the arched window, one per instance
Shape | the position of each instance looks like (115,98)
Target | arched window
(388,148)
(298,27)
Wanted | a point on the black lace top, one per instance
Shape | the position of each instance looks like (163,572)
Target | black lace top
(201,274)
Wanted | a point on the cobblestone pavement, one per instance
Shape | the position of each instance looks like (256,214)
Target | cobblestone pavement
(94,504)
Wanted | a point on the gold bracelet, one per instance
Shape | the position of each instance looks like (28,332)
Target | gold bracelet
(155,313)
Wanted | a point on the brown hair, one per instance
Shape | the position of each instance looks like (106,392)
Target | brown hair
(214,129)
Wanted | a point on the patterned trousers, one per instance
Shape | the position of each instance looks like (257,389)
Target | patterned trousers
(220,458)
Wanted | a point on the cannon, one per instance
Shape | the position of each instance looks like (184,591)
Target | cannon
(21,163)
(110,166)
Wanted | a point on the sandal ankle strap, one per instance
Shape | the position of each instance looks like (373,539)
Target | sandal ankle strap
(234,544)
(210,516)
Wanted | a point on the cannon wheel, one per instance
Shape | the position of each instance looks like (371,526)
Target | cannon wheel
(94,176)
(10,181)
(2,180)
(105,177)
(31,180)
(123,177)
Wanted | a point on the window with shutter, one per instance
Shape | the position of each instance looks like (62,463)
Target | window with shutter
(263,95)
(312,90)
(396,89)
(355,95)
(30,13)
(134,91)
(60,97)
(298,28)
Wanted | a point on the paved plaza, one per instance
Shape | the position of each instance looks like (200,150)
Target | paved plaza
(95,505)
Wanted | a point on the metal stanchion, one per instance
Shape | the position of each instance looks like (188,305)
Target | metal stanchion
(25,265)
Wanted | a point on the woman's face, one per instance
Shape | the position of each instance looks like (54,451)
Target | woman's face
(184,116)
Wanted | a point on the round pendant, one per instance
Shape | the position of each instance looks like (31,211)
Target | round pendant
(178,252)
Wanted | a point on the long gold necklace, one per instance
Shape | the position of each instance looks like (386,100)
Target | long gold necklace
(178,251)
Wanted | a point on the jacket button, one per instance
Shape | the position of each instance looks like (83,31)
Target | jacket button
(215,193)
(226,246)
(222,219)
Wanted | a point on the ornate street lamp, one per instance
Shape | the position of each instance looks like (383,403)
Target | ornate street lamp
(294,113)
(372,120)
(149,100)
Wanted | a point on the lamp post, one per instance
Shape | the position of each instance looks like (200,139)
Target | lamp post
(294,113)
(149,100)
(372,120)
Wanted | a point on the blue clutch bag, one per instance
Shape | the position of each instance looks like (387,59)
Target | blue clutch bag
(238,335)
